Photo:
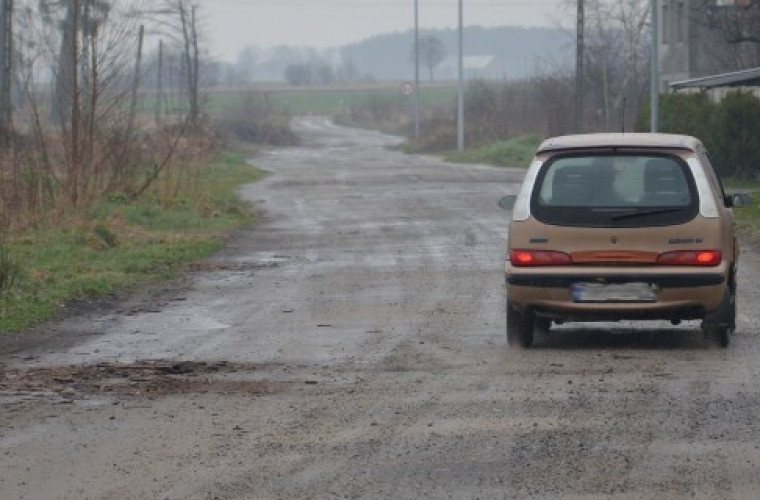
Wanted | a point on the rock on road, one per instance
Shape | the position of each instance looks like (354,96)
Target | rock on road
(353,346)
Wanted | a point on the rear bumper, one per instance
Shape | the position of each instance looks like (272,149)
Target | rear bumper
(661,280)
(585,314)
(681,294)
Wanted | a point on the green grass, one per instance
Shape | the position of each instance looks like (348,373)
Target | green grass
(120,245)
(516,152)
(307,100)
(748,218)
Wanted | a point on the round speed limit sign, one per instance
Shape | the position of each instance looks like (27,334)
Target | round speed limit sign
(407,89)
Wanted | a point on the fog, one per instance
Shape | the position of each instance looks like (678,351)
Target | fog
(234,24)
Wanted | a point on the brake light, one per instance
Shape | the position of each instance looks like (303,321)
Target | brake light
(527,258)
(705,258)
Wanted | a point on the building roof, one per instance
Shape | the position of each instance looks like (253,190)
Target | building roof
(744,78)
(469,62)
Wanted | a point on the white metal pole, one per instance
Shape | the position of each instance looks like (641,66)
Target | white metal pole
(416,69)
(655,84)
(460,126)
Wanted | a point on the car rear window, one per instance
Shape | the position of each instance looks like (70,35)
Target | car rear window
(615,190)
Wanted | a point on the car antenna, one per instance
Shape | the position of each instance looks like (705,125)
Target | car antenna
(622,119)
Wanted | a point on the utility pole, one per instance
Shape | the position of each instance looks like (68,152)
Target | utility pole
(190,40)
(416,69)
(136,81)
(196,68)
(655,83)
(460,121)
(580,51)
(160,84)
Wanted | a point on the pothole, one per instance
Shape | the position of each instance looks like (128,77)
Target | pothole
(144,379)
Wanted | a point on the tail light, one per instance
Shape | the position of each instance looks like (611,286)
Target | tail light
(530,258)
(537,258)
(704,258)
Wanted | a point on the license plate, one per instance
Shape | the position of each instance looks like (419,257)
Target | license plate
(613,292)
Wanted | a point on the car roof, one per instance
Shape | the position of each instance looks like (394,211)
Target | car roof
(607,140)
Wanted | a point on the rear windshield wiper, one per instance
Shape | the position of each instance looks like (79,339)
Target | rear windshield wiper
(641,213)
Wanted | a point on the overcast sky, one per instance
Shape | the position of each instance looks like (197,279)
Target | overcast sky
(235,24)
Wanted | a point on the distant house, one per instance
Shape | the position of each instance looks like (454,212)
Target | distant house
(485,67)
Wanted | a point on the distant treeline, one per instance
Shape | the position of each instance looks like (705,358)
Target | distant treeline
(514,52)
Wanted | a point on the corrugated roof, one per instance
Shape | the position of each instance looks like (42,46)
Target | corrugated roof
(743,78)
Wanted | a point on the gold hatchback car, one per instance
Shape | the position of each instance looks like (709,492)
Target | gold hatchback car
(608,227)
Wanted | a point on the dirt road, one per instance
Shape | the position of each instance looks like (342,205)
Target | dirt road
(353,346)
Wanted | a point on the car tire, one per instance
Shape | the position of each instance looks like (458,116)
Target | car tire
(520,327)
(543,324)
(718,326)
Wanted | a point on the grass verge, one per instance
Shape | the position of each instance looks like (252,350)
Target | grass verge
(121,244)
(748,218)
(516,152)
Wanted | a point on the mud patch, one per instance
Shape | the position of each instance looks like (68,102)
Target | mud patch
(213,266)
(144,379)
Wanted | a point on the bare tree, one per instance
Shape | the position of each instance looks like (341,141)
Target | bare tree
(77,22)
(6,67)
(313,72)
(730,32)
(738,21)
(85,137)
(89,45)
(178,19)
(245,65)
(432,53)
(616,65)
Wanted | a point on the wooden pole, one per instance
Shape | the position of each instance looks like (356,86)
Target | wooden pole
(160,84)
(136,82)
(580,80)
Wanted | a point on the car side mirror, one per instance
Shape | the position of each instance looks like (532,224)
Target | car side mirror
(508,202)
(739,200)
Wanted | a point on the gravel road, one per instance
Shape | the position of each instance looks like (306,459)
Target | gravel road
(353,346)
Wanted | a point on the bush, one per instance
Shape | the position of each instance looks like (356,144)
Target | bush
(494,112)
(255,120)
(735,141)
(488,110)
(498,112)
(439,133)
(730,129)
(688,114)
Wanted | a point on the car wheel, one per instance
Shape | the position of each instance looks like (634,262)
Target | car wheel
(732,313)
(519,327)
(543,324)
(719,325)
